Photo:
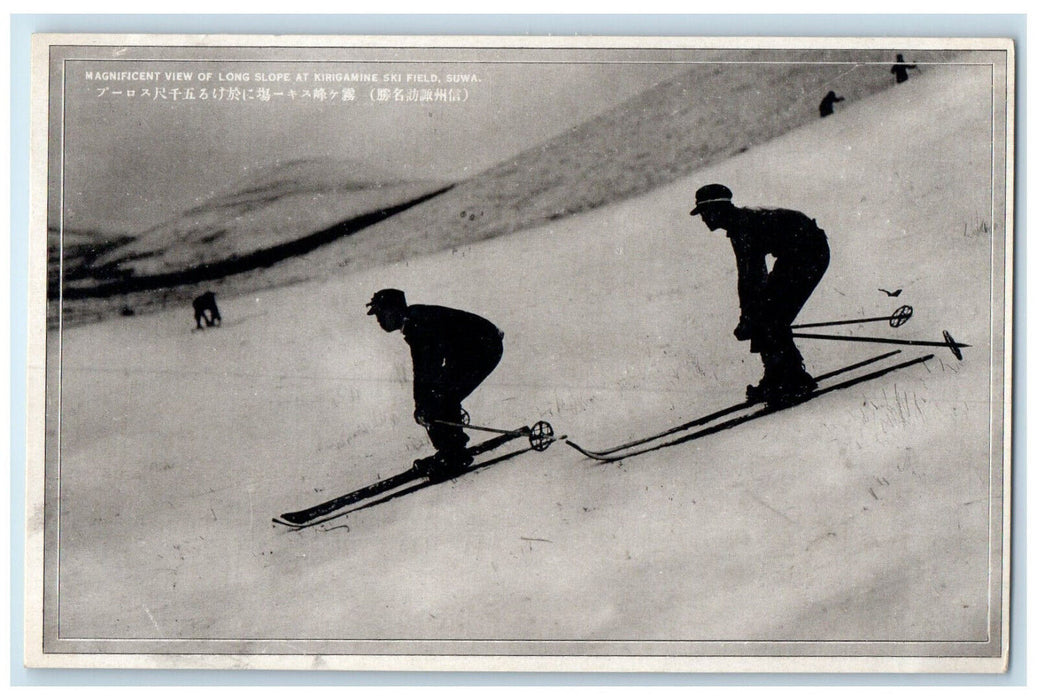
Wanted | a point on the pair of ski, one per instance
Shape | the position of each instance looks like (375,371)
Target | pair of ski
(540,436)
(895,320)
(658,441)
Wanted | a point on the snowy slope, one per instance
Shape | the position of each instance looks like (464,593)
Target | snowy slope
(666,131)
(274,206)
(862,515)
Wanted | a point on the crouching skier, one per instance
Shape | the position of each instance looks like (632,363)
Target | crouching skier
(453,352)
(205,309)
(770,300)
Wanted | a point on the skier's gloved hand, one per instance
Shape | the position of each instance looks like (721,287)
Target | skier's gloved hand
(744,329)
(420,418)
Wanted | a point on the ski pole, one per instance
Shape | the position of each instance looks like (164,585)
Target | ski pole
(520,431)
(896,319)
(540,434)
(466,423)
(948,341)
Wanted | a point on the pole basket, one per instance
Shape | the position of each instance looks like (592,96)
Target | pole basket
(953,344)
(901,316)
(541,435)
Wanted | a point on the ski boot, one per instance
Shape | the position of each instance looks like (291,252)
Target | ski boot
(792,392)
(760,393)
(443,465)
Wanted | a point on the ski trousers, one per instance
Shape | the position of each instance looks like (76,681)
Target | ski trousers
(790,283)
(459,377)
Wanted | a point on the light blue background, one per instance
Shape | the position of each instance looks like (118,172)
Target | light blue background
(23,26)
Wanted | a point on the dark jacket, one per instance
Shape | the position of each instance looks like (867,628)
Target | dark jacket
(450,349)
(827,106)
(794,239)
(900,70)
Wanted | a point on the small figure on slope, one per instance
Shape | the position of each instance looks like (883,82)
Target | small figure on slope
(453,352)
(205,308)
(770,300)
(900,69)
(827,106)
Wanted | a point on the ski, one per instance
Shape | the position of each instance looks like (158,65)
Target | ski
(760,413)
(540,436)
(709,418)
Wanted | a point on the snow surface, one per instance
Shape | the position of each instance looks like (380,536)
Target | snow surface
(275,206)
(860,516)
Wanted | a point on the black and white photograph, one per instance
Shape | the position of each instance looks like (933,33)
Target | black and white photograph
(484,353)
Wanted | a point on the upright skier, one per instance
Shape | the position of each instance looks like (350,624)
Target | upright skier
(900,69)
(453,352)
(770,300)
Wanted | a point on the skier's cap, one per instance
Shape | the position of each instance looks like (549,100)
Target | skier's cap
(386,298)
(710,194)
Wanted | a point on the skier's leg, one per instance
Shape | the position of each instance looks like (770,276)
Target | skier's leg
(790,284)
(773,369)
(788,288)
(472,370)
(790,369)
(445,438)
(463,375)
(450,458)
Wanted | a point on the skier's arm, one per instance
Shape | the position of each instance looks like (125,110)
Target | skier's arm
(426,353)
(752,276)
(426,362)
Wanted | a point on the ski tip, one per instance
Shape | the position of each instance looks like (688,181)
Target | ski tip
(553,440)
(286,521)
(582,451)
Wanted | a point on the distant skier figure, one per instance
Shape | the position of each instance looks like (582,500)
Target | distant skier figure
(770,301)
(900,68)
(453,352)
(827,106)
(205,308)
